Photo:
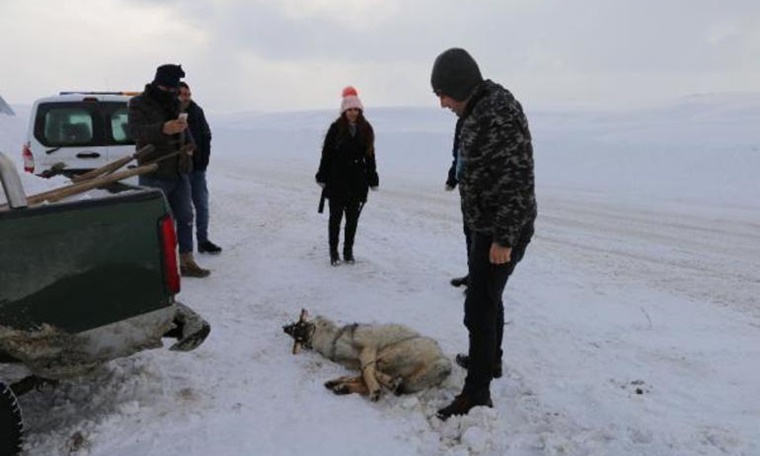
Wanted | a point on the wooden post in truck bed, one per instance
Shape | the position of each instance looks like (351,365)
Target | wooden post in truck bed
(70,190)
(114,165)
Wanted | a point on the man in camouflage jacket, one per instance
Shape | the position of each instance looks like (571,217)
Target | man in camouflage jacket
(496,183)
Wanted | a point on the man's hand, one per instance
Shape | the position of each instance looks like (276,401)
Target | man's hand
(499,254)
(172,127)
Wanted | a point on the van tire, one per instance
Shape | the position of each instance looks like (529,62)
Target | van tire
(11,422)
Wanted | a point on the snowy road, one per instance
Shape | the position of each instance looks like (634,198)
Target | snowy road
(713,256)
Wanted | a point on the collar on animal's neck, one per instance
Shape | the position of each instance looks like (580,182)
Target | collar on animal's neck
(338,335)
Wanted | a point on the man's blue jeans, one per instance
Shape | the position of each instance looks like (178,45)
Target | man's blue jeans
(199,190)
(177,193)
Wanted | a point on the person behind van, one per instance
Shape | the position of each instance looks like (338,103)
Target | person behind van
(154,119)
(201,136)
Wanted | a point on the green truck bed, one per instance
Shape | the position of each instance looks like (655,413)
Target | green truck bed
(83,282)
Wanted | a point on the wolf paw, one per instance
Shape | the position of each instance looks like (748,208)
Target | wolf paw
(374,396)
(338,387)
(341,390)
(397,386)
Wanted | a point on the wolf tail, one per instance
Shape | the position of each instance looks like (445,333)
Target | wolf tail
(440,371)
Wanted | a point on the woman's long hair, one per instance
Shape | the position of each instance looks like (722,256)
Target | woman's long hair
(363,128)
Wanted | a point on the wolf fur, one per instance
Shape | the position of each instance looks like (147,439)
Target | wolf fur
(390,356)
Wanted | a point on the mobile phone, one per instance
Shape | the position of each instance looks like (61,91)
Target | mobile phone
(182,116)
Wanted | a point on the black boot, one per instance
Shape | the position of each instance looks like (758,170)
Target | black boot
(334,258)
(464,361)
(348,255)
(460,281)
(208,247)
(462,404)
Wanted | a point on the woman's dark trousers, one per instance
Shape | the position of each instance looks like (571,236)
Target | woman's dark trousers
(351,209)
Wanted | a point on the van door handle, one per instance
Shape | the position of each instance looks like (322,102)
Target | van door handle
(88,155)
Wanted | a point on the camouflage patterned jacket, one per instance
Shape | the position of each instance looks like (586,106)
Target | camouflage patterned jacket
(497,177)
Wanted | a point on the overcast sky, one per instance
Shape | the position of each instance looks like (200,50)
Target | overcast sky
(282,55)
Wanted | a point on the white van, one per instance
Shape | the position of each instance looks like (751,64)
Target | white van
(77,131)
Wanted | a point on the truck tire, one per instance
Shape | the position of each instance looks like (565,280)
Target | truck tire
(11,423)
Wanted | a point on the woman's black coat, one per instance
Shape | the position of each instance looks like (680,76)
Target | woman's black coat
(348,166)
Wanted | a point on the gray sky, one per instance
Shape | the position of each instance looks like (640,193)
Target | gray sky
(279,55)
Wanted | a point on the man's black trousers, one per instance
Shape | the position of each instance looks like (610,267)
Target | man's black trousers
(484,309)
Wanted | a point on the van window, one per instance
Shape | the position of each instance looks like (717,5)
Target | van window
(68,127)
(119,130)
(86,123)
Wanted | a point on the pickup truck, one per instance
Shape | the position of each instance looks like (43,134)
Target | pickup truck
(84,282)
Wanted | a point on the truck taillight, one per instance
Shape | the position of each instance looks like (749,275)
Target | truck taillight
(28,158)
(169,253)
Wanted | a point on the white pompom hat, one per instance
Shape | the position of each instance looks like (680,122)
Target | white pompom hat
(350,100)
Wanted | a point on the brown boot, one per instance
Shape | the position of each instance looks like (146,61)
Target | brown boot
(189,268)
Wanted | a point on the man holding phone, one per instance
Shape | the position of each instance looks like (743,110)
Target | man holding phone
(154,118)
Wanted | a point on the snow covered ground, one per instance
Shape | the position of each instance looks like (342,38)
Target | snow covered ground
(633,323)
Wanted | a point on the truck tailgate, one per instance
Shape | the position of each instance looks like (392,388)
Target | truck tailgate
(83,264)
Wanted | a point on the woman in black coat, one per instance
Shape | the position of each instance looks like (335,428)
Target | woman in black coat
(347,170)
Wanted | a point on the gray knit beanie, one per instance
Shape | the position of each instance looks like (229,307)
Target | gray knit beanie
(455,74)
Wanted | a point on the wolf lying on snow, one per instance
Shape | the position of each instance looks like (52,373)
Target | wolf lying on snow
(391,356)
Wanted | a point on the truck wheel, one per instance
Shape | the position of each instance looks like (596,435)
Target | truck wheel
(11,423)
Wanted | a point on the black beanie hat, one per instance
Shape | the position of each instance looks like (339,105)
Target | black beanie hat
(168,75)
(455,74)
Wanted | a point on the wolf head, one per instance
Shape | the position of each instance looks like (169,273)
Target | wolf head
(301,332)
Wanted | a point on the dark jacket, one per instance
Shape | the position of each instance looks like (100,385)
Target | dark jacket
(348,166)
(147,114)
(452,179)
(497,176)
(201,136)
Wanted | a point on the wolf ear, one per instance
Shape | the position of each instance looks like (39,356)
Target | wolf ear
(304,315)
